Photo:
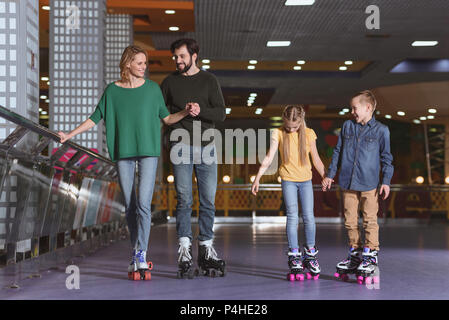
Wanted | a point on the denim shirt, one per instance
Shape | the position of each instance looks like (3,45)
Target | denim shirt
(360,153)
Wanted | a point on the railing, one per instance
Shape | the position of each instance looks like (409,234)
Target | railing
(405,201)
(48,204)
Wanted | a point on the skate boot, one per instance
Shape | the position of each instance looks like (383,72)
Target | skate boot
(368,271)
(310,262)
(132,266)
(348,265)
(208,262)
(295,265)
(141,267)
(185,261)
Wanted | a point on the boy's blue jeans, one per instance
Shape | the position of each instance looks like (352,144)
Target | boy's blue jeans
(291,190)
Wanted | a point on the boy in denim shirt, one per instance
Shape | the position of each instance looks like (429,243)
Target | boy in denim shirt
(363,149)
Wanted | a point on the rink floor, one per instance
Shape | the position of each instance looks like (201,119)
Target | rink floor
(414,260)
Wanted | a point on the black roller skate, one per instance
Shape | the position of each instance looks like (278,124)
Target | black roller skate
(368,271)
(295,265)
(139,268)
(185,261)
(348,265)
(208,262)
(310,262)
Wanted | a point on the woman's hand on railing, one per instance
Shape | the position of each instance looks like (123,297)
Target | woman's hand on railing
(64,137)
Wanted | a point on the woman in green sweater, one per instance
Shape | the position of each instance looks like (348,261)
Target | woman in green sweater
(132,109)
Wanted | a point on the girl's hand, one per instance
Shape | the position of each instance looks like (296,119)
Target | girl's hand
(326,183)
(255,187)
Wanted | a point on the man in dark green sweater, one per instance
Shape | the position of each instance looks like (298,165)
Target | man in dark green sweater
(192,87)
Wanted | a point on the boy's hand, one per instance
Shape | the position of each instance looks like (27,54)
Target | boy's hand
(386,190)
(255,187)
(326,183)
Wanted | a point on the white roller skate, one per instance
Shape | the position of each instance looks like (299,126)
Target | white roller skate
(349,265)
(141,267)
(185,260)
(295,265)
(310,262)
(368,271)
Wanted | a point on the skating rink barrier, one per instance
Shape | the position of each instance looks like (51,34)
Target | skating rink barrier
(405,201)
(53,207)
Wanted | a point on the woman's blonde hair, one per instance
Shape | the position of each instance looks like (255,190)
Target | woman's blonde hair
(294,114)
(127,57)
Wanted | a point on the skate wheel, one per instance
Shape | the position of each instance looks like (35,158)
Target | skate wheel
(360,280)
(213,273)
(336,275)
(309,276)
(223,273)
(130,275)
(147,275)
(136,276)
(316,277)
(291,277)
(150,265)
(300,277)
(376,279)
(344,277)
(196,273)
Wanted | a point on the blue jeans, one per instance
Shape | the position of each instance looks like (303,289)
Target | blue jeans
(290,191)
(138,206)
(206,175)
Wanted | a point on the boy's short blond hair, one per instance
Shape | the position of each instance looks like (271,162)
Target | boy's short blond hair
(366,96)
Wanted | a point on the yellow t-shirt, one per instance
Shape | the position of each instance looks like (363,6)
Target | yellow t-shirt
(292,171)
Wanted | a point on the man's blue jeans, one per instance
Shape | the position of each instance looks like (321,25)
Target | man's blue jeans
(206,175)
(138,206)
(291,190)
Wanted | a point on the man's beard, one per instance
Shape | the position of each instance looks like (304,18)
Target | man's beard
(187,67)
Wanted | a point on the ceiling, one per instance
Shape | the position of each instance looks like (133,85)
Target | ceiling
(329,30)
(232,32)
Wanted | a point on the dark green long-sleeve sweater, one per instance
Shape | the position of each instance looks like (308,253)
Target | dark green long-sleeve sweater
(202,88)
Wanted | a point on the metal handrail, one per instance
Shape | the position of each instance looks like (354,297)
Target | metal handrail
(47,135)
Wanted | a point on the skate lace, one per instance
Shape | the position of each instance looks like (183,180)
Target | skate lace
(184,254)
(211,253)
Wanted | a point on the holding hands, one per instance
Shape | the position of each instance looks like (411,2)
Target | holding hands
(326,183)
(193,108)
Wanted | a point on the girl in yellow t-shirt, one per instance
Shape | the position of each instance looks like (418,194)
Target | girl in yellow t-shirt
(295,142)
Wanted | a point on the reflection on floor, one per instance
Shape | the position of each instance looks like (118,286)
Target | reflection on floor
(413,260)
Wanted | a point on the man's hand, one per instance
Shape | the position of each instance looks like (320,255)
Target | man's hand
(255,187)
(193,108)
(386,190)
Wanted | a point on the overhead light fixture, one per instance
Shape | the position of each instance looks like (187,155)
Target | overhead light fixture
(446,180)
(416,121)
(206,61)
(343,68)
(43,97)
(424,43)
(228,110)
(253,61)
(251,67)
(45,78)
(258,111)
(170,179)
(249,104)
(170,11)
(173,28)
(299,2)
(47,8)
(300,62)
(44,113)
(226,179)
(206,66)
(348,62)
(422,118)
(278,43)
(387,116)
(401,113)
(342,113)
(432,110)
(48,101)
(297,68)
(430,117)
(253,94)
(345,110)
